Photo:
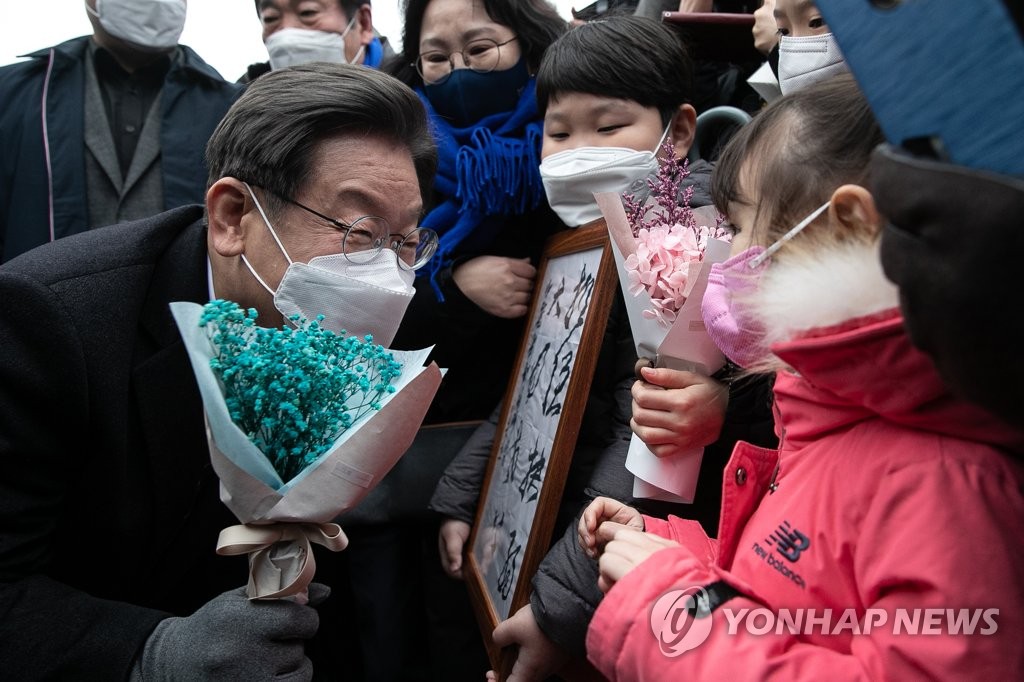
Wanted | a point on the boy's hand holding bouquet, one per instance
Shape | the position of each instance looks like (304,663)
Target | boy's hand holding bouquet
(663,251)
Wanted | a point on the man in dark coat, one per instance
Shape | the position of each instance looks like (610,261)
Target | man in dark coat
(109,509)
(105,128)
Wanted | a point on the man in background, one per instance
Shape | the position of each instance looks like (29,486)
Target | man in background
(302,31)
(105,128)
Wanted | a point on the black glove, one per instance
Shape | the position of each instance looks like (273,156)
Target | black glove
(953,246)
(233,638)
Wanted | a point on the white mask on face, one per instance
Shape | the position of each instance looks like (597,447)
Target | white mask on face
(149,23)
(571,178)
(807,60)
(361,298)
(295,46)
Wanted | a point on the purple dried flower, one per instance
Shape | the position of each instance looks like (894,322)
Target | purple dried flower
(669,238)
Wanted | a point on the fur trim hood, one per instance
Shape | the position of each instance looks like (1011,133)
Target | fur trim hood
(806,291)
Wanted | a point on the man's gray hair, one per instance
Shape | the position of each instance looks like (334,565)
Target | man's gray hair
(268,137)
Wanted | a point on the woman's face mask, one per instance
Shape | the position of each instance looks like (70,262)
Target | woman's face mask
(468,96)
(150,23)
(358,298)
(572,177)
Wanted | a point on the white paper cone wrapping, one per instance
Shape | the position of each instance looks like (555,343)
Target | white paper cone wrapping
(683,345)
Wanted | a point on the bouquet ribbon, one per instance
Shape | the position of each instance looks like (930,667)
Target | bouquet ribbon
(281,562)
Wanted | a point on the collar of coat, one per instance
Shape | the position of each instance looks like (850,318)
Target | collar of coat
(844,355)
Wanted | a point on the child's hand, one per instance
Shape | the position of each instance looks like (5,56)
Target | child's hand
(451,540)
(538,657)
(624,549)
(674,411)
(597,512)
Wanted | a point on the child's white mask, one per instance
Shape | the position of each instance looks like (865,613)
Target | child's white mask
(807,60)
(571,178)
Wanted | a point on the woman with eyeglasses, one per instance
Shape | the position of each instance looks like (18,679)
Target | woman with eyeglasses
(472,63)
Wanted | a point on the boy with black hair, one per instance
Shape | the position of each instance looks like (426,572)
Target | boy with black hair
(610,90)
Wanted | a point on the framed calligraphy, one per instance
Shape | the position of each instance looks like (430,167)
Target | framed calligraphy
(539,423)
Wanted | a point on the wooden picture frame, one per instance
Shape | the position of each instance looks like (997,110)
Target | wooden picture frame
(539,425)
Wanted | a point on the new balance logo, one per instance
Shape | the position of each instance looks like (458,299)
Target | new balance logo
(789,541)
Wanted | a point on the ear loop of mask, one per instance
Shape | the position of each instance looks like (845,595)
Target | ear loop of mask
(664,135)
(263,215)
(767,253)
(344,33)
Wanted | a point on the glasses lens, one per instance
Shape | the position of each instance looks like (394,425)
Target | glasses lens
(482,55)
(364,239)
(434,67)
(417,248)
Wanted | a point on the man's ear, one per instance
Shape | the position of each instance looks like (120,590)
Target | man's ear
(227,202)
(684,128)
(853,208)
(364,24)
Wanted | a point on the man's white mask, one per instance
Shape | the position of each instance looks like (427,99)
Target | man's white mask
(359,298)
(295,46)
(149,23)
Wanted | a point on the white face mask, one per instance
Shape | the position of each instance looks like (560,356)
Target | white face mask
(295,46)
(571,178)
(807,60)
(149,23)
(361,298)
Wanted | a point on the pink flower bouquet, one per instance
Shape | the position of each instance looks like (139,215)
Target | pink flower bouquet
(664,250)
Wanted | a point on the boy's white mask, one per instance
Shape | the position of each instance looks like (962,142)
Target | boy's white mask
(571,178)
(149,23)
(295,46)
(807,60)
(360,298)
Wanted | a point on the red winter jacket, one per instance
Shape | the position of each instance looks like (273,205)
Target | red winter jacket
(889,494)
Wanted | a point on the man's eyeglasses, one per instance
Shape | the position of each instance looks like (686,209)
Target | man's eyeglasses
(482,55)
(364,238)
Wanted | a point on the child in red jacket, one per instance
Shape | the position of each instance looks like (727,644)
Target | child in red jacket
(883,539)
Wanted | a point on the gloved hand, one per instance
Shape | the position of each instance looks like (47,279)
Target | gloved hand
(233,638)
(953,245)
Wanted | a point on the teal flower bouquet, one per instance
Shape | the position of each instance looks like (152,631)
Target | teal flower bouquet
(302,423)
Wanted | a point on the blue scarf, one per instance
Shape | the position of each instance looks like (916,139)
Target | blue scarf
(374,54)
(485,173)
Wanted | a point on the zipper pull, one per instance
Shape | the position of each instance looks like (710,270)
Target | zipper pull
(773,485)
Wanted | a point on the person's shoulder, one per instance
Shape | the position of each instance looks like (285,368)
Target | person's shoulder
(253,71)
(105,249)
(699,177)
(189,62)
(36,63)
